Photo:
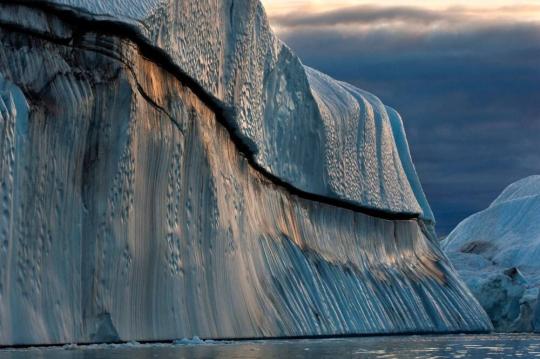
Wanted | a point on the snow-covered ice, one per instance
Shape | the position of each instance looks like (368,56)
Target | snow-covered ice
(496,252)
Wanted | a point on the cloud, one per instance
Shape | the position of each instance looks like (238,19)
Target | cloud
(372,15)
(365,14)
(468,90)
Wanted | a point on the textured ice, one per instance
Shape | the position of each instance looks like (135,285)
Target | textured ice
(319,135)
(129,213)
(407,163)
(508,231)
(497,251)
(126,10)
(362,161)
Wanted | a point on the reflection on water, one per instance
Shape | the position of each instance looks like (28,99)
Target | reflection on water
(402,347)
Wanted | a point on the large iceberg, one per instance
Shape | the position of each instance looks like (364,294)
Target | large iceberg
(170,169)
(497,253)
(314,133)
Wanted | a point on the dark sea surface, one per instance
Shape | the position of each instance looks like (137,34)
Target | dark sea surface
(402,347)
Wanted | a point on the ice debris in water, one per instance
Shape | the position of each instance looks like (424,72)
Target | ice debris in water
(193,341)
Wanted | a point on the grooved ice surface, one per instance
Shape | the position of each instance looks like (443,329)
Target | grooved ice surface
(497,251)
(311,131)
(129,214)
(406,160)
(361,154)
(137,10)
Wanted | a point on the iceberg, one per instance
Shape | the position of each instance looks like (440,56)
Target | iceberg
(496,252)
(311,131)
(170,169)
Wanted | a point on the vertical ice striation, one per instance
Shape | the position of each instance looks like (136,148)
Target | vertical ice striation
(175,180)
(408,166)
(362,161)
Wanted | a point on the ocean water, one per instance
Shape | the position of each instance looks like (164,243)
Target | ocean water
(402,347)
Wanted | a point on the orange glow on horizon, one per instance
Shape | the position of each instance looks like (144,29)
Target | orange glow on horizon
(519,10)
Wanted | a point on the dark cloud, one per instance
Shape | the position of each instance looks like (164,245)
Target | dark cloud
(469,94)
(375,15)
(364,14)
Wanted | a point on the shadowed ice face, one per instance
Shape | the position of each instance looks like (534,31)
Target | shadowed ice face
(463,74)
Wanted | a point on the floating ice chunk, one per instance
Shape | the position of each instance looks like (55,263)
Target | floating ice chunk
(193,341)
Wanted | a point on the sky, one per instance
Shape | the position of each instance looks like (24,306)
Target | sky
(465,76)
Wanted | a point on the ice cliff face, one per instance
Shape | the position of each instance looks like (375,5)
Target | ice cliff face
(170,169)
(309,130)
(496,252)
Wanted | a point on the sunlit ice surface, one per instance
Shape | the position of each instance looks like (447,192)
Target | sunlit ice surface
(402,347)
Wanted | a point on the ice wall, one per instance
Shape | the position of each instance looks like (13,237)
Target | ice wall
(337,145)
(130,213)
